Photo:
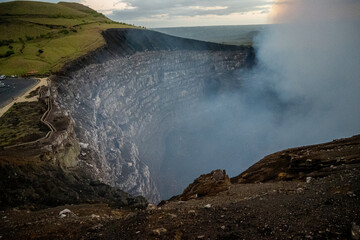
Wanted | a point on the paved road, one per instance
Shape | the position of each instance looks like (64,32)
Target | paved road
(14,87)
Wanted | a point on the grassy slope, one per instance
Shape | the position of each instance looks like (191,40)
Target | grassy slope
(22,123)
(47,35)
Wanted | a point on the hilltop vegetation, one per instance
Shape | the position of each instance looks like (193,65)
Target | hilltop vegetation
(22,123)
(39,37)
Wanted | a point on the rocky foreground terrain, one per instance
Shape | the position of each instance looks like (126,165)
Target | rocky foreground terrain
(319,200)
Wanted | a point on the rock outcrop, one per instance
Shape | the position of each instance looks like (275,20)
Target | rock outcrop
(45,172)
(125,99)
(303,162)
(206,185)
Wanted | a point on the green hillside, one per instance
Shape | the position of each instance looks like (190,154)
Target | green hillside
(39,37)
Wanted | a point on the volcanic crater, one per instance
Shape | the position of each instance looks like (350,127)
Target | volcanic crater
(131,100)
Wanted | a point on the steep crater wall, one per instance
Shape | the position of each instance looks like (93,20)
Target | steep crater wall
(131,102)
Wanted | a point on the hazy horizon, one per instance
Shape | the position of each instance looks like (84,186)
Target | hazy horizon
(179,13)
(215,25)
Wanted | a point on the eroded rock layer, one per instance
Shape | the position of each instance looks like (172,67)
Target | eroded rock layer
(126,98)
(304,162)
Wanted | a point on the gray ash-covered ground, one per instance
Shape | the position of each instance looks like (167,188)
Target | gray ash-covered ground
(320,207)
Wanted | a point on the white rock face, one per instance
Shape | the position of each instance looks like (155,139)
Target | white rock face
(66,213)
(308,179)
(84,145)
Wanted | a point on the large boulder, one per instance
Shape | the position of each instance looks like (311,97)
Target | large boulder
(206,185)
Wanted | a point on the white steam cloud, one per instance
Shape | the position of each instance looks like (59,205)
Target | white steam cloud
(312,61)
(305,90)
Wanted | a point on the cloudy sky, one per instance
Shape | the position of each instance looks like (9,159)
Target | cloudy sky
(165,13)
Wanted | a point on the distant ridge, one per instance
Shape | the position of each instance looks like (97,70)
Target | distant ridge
(231,34)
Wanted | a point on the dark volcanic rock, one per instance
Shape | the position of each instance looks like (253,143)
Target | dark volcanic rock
(299,163)
(35,187)
(125,42)
(129,41)
(206,185)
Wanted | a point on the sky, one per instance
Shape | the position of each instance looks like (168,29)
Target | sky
(176,13)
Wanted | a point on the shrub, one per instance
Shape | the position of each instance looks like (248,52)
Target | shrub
(6,42)
(40,51)
(64,31)
(48,35)
(7,54)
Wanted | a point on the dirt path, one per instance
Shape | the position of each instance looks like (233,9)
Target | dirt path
(22,98)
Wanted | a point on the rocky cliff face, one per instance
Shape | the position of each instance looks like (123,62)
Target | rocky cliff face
(44,172)
(126,98)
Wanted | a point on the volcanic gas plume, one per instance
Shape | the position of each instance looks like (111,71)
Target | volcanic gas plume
(171,109)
